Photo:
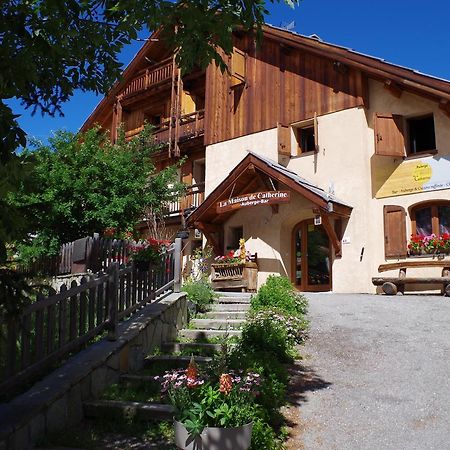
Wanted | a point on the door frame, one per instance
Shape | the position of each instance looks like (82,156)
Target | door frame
(304,286)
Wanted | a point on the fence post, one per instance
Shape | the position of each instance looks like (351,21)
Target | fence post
(177,266)
(113,285)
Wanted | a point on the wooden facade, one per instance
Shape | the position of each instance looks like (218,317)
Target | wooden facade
(282,85)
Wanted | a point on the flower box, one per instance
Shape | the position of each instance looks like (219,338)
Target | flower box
(235,275)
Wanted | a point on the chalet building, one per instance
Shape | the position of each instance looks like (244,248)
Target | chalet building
(323,159)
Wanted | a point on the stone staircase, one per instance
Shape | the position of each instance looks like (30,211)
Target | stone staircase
(223,321)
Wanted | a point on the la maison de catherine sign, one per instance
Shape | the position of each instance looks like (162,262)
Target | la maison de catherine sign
(253,199)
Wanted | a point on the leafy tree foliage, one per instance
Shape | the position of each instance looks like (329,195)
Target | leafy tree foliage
(52,47)
(49,48)
(84,184)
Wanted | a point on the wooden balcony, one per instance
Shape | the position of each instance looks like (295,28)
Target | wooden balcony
(148,78)
(189,126)
(194,197)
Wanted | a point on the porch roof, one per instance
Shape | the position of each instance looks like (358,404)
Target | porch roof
(257,172)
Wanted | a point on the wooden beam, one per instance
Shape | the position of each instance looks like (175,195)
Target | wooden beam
(394,88)
(209,227)
(209,237)
(269,187)
(331,234)
(444,105)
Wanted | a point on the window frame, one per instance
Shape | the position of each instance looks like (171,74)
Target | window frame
(434,205)
(407,127)
(302,125)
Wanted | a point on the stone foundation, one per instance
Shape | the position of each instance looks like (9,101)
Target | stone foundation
(56,402)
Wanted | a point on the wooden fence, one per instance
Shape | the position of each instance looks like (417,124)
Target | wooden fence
(87,254)
(53,327)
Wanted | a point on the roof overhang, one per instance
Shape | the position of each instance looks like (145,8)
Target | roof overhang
(254,173)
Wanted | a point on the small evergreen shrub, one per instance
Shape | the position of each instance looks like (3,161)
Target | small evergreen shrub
(278,292)
(199,292)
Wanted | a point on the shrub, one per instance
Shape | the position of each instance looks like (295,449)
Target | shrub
(295,326)
(199,292)
(278,292)
(263,334)
(263,437)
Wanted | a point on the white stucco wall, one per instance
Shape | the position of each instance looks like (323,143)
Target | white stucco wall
(407,105)
(346,165)
(221,158)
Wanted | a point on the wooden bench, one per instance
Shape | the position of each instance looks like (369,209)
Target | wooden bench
(392,285)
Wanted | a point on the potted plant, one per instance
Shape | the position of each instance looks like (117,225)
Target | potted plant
(145,253)
(444,243)
(431,244)
(237,269)
(416,244)
(211,414)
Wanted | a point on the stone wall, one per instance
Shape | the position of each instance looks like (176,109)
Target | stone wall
(56,402)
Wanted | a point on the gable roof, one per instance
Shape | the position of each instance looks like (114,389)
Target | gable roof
(244,175)
(377,68)
(404,78)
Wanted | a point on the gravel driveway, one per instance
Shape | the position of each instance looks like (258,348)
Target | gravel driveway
(378,374)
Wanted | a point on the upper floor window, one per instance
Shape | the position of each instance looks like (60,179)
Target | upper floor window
(421,137)
(431,218)
(398,136)
(306,135)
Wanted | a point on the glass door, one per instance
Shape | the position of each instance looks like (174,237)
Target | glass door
(312,257)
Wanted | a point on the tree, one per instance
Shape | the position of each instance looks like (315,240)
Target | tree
(84,184)
(49,48)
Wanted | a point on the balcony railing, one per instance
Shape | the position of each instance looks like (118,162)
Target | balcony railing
(189,126)
(150,77)
(194,197)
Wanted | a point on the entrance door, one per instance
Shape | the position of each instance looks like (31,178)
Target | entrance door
(311,257)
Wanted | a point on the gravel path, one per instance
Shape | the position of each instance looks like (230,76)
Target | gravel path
(377,374)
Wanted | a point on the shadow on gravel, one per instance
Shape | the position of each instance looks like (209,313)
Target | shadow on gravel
(302,380)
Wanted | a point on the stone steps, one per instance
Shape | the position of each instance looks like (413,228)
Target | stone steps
(217,324)
(207,334)
(223,315)
(118,409)
(233,300)
(175,359)
(230,307)
(204,347)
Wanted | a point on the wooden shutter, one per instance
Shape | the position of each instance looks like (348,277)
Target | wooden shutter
(237,67)
(284,140)
(316,133)
(186,172)
(394,232)
(389,135)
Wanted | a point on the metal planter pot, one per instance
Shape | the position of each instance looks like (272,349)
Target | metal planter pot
(212,438)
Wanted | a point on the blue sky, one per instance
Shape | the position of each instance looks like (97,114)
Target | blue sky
(412,33)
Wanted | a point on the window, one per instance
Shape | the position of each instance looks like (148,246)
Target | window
(306,134)
(153,119)
(421,136)
(431,218)
(398,136)
(306,139)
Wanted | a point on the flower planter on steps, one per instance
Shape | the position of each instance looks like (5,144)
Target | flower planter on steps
(212,438)
(235,275)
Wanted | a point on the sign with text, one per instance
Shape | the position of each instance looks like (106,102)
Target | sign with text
(412,177)
(253,199)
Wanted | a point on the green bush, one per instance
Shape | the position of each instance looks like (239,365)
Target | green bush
(278,292)
(264,437)
(199,292)
(263,334)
